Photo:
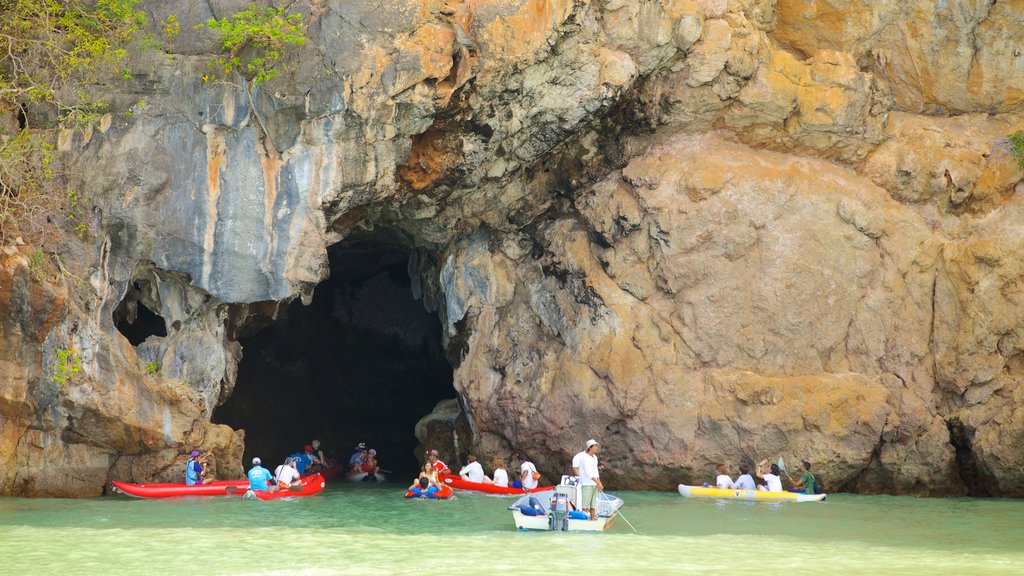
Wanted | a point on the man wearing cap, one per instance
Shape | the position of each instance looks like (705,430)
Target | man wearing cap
(260,478)
(436,464)
(195,470)
(584,465)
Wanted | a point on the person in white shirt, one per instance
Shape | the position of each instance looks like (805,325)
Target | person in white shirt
(745,481)
(528,474)
(472,471)
(723,480)
(771,478)
(584,465)
(500,474)
(287,475)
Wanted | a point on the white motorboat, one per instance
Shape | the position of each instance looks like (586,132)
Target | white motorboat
(556,509)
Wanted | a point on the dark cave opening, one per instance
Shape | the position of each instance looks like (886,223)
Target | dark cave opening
(135,321)
(362,363)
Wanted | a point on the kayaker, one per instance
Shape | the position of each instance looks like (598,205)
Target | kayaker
(584,465)
(313,464)
(195,469)
(500,474)
(260,478)
(744,481)
(288,475)
(435,463)
(473,471)
(427,471)
(771,477)
(806,481)
(723,480)
(355,462)
(319,453)
(370,465)
(423,488)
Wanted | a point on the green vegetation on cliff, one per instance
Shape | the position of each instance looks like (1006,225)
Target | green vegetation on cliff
(1017,147)
(53,56)
(254,39)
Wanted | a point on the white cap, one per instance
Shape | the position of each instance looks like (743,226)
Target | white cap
(256,461)
(592,442)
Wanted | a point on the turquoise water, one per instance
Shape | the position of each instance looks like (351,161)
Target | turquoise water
(359,529)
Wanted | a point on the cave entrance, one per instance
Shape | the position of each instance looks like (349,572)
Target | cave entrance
(362,363)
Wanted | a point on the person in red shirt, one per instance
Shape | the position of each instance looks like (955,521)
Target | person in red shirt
(437,465)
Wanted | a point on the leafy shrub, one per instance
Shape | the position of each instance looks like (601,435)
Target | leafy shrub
(1017,147)
(68,363)
(254,39)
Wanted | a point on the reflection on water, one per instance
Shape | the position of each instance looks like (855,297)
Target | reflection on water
(358,529)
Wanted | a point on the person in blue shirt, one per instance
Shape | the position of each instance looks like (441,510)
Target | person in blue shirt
(260,478)
(425,489)
(300,461)
(195,470)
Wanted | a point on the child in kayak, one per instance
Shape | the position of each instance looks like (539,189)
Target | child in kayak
(723,480)
(744,482)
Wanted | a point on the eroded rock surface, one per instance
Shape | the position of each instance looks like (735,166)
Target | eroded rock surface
(700,230)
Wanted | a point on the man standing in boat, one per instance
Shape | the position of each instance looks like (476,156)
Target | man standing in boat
(584,465)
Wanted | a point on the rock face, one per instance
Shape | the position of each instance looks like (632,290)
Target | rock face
(699,230)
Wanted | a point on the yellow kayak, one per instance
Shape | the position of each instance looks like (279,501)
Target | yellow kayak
(752,495)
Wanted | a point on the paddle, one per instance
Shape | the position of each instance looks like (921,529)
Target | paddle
(782,466)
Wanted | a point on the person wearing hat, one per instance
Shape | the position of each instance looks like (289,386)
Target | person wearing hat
(806,481)
(435,463)
(584,465)
(195,469)
(288,474)
(260,478)
(312,463)
(355,463)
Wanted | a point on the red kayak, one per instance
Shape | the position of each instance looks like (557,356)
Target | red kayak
(175,489)
(443,493)
(456,481)
(310,485)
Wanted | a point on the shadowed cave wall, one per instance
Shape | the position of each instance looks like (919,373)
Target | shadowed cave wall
(362,363)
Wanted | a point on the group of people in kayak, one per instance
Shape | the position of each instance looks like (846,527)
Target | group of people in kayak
(769,474)
(526,475)
(364,461)
(584,467)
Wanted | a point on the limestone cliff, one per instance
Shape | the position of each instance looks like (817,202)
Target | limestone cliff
(699,230)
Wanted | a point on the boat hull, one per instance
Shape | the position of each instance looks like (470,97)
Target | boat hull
(749,495)
(459,483)
(543,523)
(178,490)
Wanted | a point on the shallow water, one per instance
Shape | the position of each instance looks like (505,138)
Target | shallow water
(360,529)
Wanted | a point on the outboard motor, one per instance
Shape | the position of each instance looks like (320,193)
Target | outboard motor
(559,518)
